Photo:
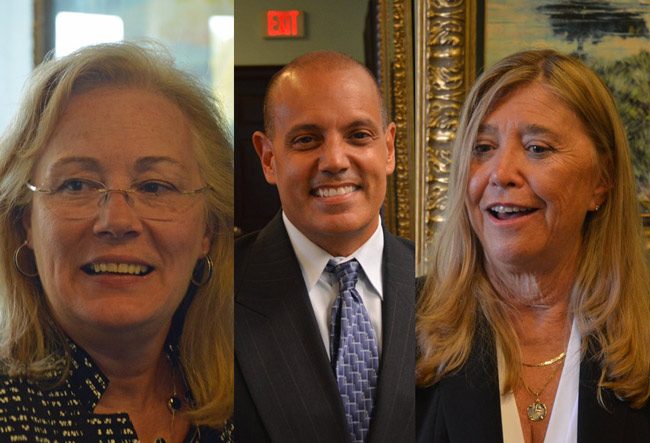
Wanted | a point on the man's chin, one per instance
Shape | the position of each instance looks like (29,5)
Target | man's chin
(339,233)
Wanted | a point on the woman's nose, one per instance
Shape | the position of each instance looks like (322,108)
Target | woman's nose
(507,166)
(116,216)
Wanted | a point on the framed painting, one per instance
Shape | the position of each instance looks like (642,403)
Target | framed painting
(612,37)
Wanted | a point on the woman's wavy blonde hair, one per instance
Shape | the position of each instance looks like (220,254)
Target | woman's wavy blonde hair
(29,338)
(610,298)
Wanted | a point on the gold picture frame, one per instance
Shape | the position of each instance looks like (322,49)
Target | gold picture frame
(395,74)
(445,67)
(427,63)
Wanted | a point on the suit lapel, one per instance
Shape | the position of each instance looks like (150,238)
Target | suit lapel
(394,417)
(595,424)
(285,364)
(464,406)
(477,403)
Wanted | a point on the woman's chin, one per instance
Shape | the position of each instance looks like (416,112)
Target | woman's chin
(114,315)
(510,258)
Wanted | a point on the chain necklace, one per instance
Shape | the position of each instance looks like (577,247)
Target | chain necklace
(547,362)
(537,410)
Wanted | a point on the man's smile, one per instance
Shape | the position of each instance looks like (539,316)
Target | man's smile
(332,191)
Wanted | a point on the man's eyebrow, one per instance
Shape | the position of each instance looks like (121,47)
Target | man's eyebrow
(147,163)
(363,123)
(309,127)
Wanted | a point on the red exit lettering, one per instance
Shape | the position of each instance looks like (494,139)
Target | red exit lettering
(283,23)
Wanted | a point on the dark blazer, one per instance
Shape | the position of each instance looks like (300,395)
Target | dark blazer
(464,407)
(285,390)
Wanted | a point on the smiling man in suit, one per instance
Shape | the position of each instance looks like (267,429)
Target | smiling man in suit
(324,295)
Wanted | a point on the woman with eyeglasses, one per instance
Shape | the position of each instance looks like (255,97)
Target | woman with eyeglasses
(116,276)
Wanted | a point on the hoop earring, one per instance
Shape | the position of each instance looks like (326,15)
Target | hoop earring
(17,263)
(204,279)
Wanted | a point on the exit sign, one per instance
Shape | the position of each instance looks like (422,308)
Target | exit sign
(284,24)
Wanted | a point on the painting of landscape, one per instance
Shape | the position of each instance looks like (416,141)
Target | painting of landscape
(612,37)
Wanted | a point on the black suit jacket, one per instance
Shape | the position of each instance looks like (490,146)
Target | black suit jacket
(465,407)
(285,390)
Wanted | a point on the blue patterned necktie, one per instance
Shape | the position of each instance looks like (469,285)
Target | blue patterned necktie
(353,349)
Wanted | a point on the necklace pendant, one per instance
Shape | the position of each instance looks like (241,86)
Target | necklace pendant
(536,411)
(174,403)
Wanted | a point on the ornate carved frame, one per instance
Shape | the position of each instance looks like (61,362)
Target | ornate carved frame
(396,68)
(424,89)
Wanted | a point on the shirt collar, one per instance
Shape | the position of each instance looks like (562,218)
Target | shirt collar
(313,259)
(86,379)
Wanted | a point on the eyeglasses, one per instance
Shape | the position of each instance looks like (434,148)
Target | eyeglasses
(80,198)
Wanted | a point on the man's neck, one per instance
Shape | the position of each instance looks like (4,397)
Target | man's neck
(337,244)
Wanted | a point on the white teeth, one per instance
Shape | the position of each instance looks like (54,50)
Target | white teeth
(119,268)
(330,192)
(507,209)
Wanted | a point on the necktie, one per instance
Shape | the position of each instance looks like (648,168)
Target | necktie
(353,349)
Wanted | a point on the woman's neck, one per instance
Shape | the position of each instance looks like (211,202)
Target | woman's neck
(134,361)
(539,306)
(137,383)
(535,285)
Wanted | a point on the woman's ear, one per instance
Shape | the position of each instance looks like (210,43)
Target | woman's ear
(600,193)
(205,245)
(26,221)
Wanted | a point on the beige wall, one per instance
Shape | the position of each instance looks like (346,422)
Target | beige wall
(331,24)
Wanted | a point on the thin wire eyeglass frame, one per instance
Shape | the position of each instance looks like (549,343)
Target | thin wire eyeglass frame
(131,195)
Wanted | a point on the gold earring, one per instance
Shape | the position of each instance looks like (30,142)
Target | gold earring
(17,262)
(204,279)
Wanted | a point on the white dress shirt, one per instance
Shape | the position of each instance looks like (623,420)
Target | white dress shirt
(563,425)
(323,287)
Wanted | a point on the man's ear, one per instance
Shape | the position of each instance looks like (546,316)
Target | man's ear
(264,148)
(390,148)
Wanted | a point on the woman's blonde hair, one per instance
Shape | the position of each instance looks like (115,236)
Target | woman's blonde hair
(610,296)
(203,326)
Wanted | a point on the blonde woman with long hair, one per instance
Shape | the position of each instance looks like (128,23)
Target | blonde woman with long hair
(116,276)
(534,322)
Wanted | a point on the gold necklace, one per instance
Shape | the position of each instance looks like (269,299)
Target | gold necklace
(547,362)
(537,410)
